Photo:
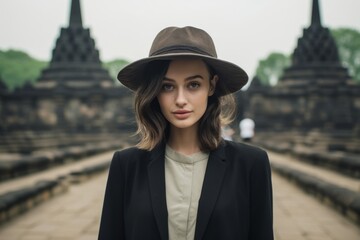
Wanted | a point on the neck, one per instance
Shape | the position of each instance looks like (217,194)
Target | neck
(184,141)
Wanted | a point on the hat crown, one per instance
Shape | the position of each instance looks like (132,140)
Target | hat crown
(174,42)
(183,40)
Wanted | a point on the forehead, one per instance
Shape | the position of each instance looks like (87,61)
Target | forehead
(187,66)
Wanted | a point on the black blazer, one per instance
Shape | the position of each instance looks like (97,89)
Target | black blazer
(235,202)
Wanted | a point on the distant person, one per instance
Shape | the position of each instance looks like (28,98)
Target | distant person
(247,129)
(227,132)
(182,180)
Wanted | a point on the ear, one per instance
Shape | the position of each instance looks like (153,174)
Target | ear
(213,83)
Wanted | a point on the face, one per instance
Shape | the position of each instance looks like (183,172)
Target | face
(185,91)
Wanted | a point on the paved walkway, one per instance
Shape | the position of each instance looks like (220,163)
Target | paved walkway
(299,216)
(75,215)
(316,171)
(55,172)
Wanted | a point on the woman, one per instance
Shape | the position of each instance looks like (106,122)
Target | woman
(183,181)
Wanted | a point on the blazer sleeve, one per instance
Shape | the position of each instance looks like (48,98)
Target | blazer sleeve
(261,202)
(112,221)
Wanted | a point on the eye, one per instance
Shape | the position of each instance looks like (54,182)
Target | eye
(194,85)
(166,87)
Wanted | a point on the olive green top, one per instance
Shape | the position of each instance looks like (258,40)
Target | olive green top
(184,176)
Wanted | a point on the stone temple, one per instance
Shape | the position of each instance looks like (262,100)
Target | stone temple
(73,94)
(315,103)
(75,111)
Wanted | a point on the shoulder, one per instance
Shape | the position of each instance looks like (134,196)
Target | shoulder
(128,155)
(246,154)
(131,152)
(243,149)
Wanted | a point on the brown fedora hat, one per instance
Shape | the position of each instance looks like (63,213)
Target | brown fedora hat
(174,42)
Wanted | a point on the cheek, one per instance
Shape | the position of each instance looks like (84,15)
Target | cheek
(162,101)
(202,101)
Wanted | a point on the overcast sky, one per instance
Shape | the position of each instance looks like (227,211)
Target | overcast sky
(244,31)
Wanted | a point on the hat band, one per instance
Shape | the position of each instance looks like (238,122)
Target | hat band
(180,48)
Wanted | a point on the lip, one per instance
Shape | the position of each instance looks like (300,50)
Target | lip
(181,111)
(182,114)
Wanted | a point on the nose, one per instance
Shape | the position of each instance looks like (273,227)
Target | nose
(180,100)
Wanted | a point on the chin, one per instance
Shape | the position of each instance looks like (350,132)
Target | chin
(183,125)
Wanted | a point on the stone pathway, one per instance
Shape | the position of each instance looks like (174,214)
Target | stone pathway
(316,171)
(55,172)
(299,216)
(75,215)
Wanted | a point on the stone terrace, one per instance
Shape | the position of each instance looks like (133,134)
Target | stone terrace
(331,175)
(75,214)
(28,179)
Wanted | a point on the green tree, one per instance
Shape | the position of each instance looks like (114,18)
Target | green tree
(348,42)
(271,68)
(17,68)
(114,66)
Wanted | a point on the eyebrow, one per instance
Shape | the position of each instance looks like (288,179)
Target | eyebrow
(186,79)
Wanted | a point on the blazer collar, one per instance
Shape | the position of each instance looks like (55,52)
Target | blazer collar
(214,175)
(156,173)
(215,172)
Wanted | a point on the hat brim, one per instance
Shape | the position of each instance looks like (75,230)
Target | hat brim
(231,77)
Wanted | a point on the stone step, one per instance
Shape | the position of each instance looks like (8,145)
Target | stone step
(345,141)
(14,143)
(342,162)
(18,201)
(337,190)
(15,165)
(23,193)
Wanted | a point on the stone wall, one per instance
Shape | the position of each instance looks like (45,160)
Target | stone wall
(85,110)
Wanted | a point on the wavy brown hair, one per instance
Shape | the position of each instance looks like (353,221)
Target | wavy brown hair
(153,127)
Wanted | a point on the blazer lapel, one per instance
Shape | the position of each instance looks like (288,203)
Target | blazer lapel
(156,172)
(211,187)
